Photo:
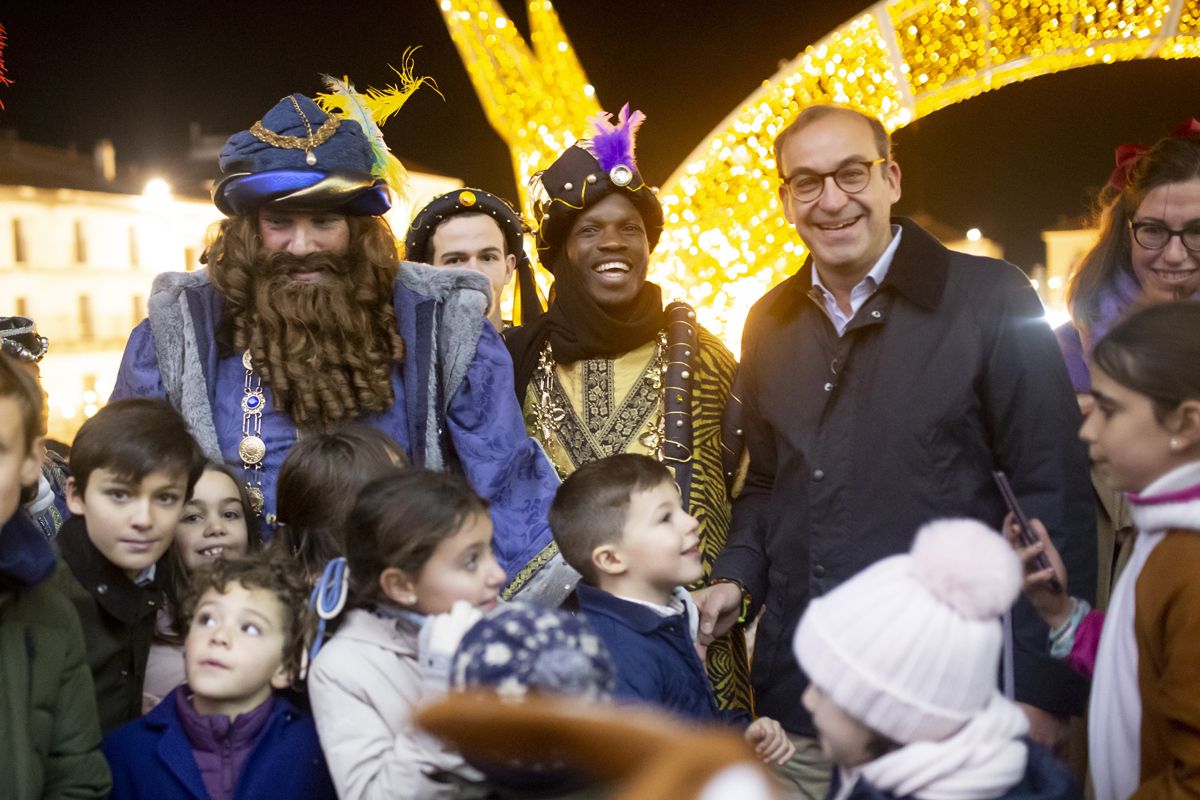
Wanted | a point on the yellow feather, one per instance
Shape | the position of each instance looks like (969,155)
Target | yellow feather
(383,103)
(373,107)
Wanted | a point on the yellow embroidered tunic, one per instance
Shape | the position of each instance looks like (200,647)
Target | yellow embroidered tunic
(610,405)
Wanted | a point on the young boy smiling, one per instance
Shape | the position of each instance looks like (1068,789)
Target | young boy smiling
(133,465)
(619,522)
(226,734)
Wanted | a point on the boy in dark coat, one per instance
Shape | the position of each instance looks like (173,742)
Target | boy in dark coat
(620,523)
(133,466)
(49,736)
(227,733)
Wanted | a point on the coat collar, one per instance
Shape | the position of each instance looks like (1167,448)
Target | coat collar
(104,581)
(26,558)
(640,618)
(397,635)
(175,751)
(918,271)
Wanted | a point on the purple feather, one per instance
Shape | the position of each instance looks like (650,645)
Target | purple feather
(613,144)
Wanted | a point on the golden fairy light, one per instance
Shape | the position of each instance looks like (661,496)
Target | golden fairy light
(726,241)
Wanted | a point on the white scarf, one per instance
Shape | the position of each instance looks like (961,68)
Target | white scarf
(983,760)
(1115,708)
(45,496)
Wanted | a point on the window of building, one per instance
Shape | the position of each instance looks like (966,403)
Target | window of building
(190,259)
(21,307)
(134,255)
(18,242)
(80,243)
(139,309)
(86,328)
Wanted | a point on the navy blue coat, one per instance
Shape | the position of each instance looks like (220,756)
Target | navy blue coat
(151,758)
(947,372)
(1045,779)
(655,656)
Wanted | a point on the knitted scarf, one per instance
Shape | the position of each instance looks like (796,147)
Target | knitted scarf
(984,759)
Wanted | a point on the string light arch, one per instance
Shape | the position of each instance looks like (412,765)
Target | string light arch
(726,242)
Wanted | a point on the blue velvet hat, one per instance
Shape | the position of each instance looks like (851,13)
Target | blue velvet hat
(298,157)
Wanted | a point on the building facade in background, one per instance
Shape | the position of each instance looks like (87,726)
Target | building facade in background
(81,242)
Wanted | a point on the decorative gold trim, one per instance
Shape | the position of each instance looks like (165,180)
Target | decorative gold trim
(307,143)
(537,562)
(602,427)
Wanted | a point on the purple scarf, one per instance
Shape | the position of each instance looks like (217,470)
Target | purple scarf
(1114,302)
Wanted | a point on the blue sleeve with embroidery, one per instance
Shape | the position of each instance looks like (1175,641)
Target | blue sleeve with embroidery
(138,375)
(504,465)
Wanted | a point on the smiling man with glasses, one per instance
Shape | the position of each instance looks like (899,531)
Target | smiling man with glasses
(882,384)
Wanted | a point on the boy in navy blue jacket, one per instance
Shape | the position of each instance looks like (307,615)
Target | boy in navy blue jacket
(227,733)
(619,522)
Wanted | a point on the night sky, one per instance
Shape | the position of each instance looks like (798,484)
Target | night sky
(1010,162)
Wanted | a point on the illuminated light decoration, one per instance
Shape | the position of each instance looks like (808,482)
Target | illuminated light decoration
(726,242)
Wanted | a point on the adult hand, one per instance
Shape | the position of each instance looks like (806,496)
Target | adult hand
(720,605)
(771,743)
(1051,602)
(1049,730)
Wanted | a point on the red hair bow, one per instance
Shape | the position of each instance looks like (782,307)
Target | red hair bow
(1128,154)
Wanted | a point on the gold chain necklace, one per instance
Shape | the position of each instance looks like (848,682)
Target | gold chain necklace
(252,449)
(306,143)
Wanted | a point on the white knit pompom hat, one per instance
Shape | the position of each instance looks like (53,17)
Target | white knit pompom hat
(910,646)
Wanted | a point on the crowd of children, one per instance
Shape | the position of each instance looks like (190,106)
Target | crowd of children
(155,620)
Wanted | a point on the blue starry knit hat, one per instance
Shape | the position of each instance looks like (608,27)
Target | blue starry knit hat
(521,648)
(297,157)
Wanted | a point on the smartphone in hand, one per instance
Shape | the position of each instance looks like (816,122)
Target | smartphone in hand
(1026,533)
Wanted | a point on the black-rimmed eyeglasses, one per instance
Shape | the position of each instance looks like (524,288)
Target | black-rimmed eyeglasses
(851,178)
(1156,236)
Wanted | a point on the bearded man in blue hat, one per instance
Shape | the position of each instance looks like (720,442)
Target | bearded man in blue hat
(306,319)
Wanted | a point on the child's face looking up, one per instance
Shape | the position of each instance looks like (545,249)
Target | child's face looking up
(131,523)
(844,740)
(213,524)
(233,653)
(462,567)
(19,465)
(660,545)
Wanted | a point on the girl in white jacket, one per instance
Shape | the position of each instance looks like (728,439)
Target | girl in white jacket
(417,542)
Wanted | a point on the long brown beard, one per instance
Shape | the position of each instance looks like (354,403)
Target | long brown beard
(326,349)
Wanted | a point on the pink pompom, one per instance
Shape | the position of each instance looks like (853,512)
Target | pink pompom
(968,566)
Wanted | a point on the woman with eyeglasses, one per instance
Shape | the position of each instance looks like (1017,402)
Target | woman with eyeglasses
(1149,245)
(1148,252)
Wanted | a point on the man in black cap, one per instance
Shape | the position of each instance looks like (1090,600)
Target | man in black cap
(606,369)
(476,230)
(305,320)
